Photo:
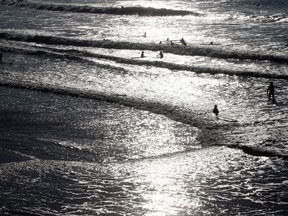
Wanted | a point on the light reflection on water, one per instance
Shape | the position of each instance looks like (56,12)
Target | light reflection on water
(208,181)
(168,178)
(110,131)
(192,95)
(204,182)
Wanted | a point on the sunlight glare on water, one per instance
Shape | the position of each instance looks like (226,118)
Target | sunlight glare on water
(192,183)
(111,133)
(197,181)
(148,3)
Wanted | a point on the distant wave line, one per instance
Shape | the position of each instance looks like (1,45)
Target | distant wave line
(52,52)
(182,67)
(190,50)
(78,55)
(141,11)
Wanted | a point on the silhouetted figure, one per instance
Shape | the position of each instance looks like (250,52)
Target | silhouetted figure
(145,35)
(216,111)
(172,43)
(211,43)
(142,54)
(183,41)
(270,92)
(160,54)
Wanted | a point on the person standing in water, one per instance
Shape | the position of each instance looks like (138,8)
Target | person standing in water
(142,54)
(183,42)
(160,54)
(216,111)
(270,92)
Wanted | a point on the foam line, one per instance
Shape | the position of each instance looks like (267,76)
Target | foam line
(215,52)
(140,11)
(82,56)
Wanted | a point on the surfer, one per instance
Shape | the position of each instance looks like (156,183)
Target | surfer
(145,35)
(160,54)
(216,111)
(142,54)
(183,42)
(270,92)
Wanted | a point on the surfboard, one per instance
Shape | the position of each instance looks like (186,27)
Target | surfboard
(227,119)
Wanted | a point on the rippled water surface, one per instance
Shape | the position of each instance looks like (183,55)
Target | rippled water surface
(204,182)
(144,164)
(98,130)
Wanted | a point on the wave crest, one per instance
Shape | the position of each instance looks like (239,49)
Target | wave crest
(190,50)
(140,11)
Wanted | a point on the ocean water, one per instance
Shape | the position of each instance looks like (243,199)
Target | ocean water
(109,133)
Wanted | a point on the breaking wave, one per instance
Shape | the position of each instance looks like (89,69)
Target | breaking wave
(81,56)
(189,50)
(266,18)
(273,18)
(140,11)
(72,52)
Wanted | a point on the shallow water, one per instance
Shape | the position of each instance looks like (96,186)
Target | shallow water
(143,164)
(109,133)
(87,129)
(203,182)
